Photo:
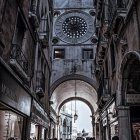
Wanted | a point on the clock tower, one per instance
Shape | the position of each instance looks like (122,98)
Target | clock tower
(74,40)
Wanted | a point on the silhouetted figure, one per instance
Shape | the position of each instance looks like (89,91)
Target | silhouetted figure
(87,138)
(92,138)
(11,138)
(115,138)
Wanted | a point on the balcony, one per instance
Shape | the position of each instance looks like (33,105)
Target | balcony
(40,84)
(19,61)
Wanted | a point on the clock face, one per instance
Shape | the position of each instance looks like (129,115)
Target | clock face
(74,27)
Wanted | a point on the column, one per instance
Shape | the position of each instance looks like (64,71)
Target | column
(93,125)
(124,126)
(97,131)
(27,128)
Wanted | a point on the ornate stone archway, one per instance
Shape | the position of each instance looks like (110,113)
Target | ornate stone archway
(92,82)
(66,90)
(128,88)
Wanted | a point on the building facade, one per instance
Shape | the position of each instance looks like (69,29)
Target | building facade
(65,124)
(117,68)
(25,32)
(53,52)
(74,43)
(73,53)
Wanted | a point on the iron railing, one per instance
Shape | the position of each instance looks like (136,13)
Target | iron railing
(19,56)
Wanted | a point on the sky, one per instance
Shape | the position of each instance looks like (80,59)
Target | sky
(83,112)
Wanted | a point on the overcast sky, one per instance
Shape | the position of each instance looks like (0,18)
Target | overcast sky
(84,113)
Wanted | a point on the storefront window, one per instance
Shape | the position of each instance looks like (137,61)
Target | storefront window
(136,131)
(34,131)
(11,125)
(114,129)
(43,134)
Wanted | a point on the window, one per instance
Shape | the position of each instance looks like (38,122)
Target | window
(11,125)
(87,54)
(19,32)
(19,43)
(59,54)
(34,131)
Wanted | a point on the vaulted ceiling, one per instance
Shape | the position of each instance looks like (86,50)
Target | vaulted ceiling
(66,92)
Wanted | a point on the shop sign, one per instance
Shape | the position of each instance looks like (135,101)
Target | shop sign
(133,98)
(39,120)
(41,113)
(12,93)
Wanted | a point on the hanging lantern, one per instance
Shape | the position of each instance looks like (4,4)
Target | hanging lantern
(75,115)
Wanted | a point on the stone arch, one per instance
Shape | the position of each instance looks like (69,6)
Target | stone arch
(77,98)
(129,58)
(66,89)
(72,77)
(130,64)
(118,21)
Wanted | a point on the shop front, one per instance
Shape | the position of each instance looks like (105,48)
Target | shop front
(113,121)
(15,105)
(39,123)
(129,108)
(109,122)
(133,100)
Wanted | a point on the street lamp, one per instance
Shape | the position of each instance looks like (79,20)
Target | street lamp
(75,115)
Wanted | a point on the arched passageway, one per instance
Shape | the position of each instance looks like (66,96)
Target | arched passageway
(82,125)
(65,92)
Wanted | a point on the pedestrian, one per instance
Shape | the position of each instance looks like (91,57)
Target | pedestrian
(11,138)
(115,138)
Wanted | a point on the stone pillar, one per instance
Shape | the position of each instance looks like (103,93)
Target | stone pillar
(124,126)
(93,125)
(97,131)
(26,129)
(100,134)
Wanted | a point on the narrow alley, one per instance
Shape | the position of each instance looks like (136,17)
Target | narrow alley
(69,70)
